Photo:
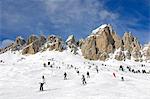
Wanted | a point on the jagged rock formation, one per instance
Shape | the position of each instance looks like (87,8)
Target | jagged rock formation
(89,49)
(55,43)
(101,44)
(130,42)
(19,42)
(146,52)
(72,44)
(36,44)
(118,41)
(136,54)
(105,40)
(42,40)
(3,50)
(128,54)
(80,42)
(132,45)
(33,45)
(119,55)
(70,40)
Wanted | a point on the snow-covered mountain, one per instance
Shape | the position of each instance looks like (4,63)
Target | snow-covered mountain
(102,42)
(23,63)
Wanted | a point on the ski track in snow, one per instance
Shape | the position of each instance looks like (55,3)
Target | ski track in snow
(20,76)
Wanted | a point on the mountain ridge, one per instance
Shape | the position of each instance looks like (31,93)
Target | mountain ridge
(97,46)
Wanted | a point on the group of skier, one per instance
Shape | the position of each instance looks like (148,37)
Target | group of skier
(65,78)
(83,79)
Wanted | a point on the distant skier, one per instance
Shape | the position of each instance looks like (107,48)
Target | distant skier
(44,64)
(144,71)
(48,63)
(114,75)
(78,72)
(65,76)
(42,83)
(88,75)
(51,66)
(97,69)
(122,78)
(83,80)
(121,68)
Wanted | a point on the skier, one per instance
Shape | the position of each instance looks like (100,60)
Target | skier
(114,75)
(51,66)
(97,69)
(44,65)
(48,63)
(121,68)
(42,83)
(83,80)
(122,78)
(78,72)
(65,76)
(88,75)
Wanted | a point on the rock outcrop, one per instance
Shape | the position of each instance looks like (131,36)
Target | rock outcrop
(130,42)
(19,42)
(99,44)
(136,54)
(80,42)
(119,55)
(36,44)
(71,40)
(33,45)
(132,45)
(55,43)
(72,44)
(104,40)
(146,52)
(89,49)
(128,54)
(118,41)
(42,40)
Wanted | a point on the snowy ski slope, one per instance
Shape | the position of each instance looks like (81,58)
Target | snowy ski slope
(20,76)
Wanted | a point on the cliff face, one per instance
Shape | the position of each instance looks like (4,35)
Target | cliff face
(104,40)
(99,44)
(33,45)
(36,44)
(55,43)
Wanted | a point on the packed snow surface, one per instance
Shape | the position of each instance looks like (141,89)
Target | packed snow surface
(20,76)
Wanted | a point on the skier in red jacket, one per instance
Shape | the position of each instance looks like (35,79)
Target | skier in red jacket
(114,75)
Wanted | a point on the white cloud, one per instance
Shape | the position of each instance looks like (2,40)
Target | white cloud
(5,43)
(67,11)
(104,14)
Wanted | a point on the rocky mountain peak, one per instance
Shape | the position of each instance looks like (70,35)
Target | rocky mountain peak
(105,40)
(20,41)
(71,39)
(130,42)
(99,45)
(101,28)
(32,39)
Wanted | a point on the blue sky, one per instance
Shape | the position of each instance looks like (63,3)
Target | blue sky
(78,17)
